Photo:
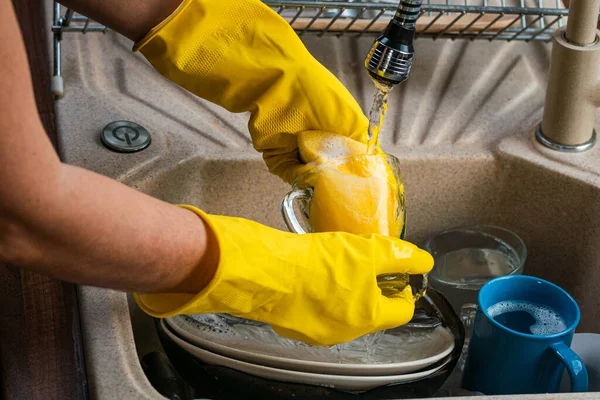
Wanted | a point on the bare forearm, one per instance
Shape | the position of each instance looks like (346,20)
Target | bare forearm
(92,230)
(131,18)
(74,224)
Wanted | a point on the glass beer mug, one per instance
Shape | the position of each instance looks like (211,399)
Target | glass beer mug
(358,194)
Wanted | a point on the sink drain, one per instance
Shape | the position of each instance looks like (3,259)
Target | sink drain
(125,137)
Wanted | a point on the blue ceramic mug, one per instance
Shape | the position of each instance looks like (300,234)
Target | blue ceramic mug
(521,337)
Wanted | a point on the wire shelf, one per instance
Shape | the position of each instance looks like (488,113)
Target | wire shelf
(493,20)
(442,19)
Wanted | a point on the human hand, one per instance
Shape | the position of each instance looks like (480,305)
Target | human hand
(317,288)
(245,57)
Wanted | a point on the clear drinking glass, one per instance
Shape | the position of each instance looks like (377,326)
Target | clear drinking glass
(358,194)
(465,259)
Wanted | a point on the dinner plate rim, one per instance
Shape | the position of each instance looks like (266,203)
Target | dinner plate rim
(350,382)
(309,365)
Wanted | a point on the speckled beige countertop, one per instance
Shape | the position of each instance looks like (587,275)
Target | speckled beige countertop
(462,127)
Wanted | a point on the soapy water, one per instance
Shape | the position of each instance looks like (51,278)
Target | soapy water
(393,345)
(527,317)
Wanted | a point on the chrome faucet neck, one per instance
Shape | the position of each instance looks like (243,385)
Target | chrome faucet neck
(391,56)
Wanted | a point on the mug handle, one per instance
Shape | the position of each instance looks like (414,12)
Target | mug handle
(574,365)
(287,209)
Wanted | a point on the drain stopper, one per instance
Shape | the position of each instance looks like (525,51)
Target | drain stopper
(125,137)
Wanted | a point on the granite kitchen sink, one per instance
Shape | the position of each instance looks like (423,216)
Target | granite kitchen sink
(462,127)
(545,207)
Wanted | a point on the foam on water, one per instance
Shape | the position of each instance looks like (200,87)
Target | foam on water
(214,324)
(547,320)
(394,345)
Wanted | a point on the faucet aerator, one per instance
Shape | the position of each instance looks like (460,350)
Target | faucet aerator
(391,57)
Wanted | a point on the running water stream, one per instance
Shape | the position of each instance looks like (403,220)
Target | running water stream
(390,283)
(377,114)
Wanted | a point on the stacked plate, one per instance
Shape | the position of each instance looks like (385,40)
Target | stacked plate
(399,355)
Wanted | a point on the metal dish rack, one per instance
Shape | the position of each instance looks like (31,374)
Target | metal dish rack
(451,19)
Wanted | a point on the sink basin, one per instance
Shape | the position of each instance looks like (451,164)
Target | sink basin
(543,206)
(462,127)
(442,193)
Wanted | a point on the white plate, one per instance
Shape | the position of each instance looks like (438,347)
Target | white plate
(261,345)
(354,383)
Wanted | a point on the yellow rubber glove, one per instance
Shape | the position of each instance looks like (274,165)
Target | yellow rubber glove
(319,288)
(242,55)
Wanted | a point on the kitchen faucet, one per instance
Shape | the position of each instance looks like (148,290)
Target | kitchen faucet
(390,59)
(573,94)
